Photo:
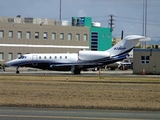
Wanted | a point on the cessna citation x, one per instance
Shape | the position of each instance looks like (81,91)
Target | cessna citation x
(76,62)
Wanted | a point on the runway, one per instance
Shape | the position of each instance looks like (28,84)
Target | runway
(37,72)
(73,114)
(24,71)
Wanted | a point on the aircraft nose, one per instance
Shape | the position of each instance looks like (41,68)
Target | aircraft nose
(9,63)
(12,63)
(6,64)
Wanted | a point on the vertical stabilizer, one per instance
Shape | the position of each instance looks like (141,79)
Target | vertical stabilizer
(125,45)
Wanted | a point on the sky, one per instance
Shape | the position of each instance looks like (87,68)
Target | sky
(128,14)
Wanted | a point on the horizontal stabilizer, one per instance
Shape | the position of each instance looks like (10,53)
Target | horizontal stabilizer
(145,39)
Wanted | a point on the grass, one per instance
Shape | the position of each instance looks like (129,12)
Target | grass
(127,93)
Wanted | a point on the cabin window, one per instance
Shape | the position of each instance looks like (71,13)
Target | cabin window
(65,57)
(60,57)
(39,57)
(55,57)
(44,57)
(50,57)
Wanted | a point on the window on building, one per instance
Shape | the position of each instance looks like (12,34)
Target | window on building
(10,34)
(36,35)
(94,41)
(85,37)
(78,37)
(10,56)
(19,54)
(61,36)
(28,35)
(1,56)
(45,35)
(1,33)
(53,36)
(19,34)
(145,59)
(69,36)
(109,35)
(104,35)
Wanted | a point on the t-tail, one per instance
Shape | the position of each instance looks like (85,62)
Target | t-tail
(125,45)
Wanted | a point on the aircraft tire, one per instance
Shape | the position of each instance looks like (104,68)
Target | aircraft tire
(17,72)
(77,72)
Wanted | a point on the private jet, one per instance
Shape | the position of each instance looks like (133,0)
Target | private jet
(76,62)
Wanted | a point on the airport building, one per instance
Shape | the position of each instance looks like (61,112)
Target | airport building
(36,35)
(146,61)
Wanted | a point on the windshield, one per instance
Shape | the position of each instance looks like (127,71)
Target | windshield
(22,57)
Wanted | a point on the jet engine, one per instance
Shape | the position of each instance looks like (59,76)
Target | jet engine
(92,55)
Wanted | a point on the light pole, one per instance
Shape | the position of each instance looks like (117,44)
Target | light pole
(146,19)
(146,23)
(144,27)
(60,11)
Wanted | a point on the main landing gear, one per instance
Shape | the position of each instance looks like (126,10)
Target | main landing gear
(76,72)
(17,71)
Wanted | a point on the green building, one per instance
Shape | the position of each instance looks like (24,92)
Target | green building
(100,38)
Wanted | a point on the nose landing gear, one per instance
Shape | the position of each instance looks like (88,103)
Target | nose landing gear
(17,71)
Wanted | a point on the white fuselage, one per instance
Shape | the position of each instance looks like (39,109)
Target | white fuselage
(76,62)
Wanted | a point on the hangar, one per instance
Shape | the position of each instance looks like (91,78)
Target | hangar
(36,35)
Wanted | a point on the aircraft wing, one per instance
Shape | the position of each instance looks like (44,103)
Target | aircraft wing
(74,64)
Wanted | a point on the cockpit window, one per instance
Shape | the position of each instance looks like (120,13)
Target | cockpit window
(22,57)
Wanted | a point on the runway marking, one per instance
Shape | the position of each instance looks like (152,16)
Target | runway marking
(68,117)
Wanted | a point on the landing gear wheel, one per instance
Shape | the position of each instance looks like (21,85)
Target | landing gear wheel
(17,71)
(77,72)
(3,67)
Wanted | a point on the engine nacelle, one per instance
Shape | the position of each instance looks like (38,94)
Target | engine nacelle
(92,55)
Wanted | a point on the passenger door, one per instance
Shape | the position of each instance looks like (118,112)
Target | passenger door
(34,60)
